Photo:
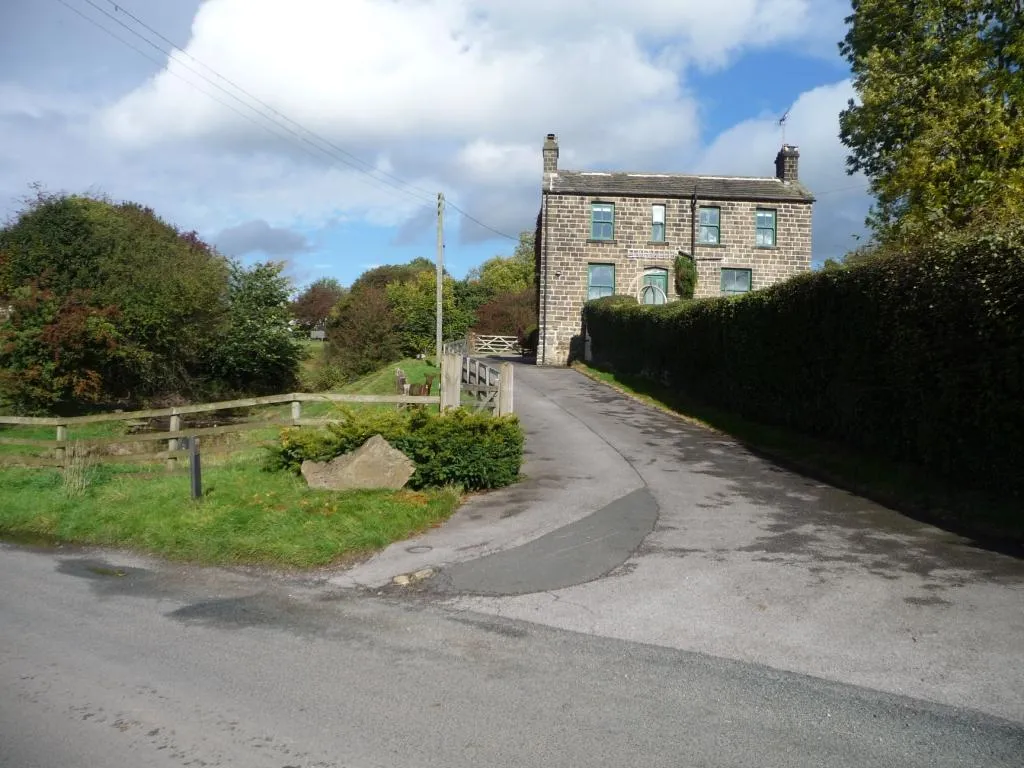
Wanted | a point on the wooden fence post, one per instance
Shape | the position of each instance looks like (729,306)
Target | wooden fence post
(296,412)
(505,403)
(451,381)
(172,444)
(61,452)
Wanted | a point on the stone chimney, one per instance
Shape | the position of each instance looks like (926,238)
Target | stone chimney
(787,163)
(551,154)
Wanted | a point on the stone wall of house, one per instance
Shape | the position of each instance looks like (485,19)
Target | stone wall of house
(567,251)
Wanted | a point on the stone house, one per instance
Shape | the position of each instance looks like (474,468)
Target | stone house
(601,233)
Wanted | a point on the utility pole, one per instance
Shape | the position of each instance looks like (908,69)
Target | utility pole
(440,276)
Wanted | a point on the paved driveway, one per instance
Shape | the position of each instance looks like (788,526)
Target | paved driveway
(635,525)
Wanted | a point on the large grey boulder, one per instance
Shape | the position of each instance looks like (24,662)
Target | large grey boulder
(375,464)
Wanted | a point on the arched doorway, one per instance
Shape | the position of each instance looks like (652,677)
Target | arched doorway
(655,286)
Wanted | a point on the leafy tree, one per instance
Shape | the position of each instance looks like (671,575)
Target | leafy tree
(312,307)
(381,277)
(167,289)
(143,310)
(938,128)
(414,303)
(470,295)
(57,353)
(362,332)
(507,314)
(858,255)
(508,274)
(257,352)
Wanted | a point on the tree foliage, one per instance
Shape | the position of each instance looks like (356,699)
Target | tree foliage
(937,127)
(139,308)
(257,351)
(362,332)
(390,311)
(414,303)
(312,307)
(507,314)
(686,276)
(508,274)
(56,351)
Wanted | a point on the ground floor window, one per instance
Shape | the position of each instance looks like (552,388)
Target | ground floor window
(655,286)
(735,280)
(600,281)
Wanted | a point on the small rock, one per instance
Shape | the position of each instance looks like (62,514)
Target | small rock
(426,573)
(401,580)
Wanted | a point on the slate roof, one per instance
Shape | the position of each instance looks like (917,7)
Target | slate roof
(678,185)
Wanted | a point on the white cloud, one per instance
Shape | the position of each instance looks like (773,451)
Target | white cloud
(446,94)
(452,70)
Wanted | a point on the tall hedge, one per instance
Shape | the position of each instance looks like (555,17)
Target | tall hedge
(918,357)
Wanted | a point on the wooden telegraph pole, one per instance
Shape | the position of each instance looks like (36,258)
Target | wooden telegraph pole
(439,337)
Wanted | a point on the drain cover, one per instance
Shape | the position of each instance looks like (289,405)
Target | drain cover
(419,549)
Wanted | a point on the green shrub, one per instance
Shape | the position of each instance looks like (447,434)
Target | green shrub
(686,276)
(918,357)
(474,451)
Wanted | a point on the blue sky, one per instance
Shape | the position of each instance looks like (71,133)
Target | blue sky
(457,96)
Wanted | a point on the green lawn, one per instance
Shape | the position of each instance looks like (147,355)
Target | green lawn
(247,515)
(904,488)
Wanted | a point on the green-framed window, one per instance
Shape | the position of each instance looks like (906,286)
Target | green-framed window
(658,223)
(710,225)
(765,224)
(602,221)
(600,280)
(735,280)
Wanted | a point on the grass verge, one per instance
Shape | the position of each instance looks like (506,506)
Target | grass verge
(247,515)
(995,522)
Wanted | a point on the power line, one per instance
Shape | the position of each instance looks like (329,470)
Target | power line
(485,226)
(371,168)
(368,169)
(277,123)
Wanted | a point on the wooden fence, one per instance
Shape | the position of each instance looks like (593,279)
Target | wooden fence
(63,427)
(463,379)
(483,385)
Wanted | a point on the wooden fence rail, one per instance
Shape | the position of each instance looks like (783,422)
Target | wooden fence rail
(489,387)
(63,440)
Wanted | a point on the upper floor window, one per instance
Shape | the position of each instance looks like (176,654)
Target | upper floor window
(602,221)
(765,223)
(600,280)
(657,223)
(710,225)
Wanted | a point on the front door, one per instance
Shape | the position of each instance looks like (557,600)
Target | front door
(655,287)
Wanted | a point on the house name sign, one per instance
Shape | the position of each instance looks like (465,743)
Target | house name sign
(649,253)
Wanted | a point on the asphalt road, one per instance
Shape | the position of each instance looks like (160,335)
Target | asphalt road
(112,662)
(635,525)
